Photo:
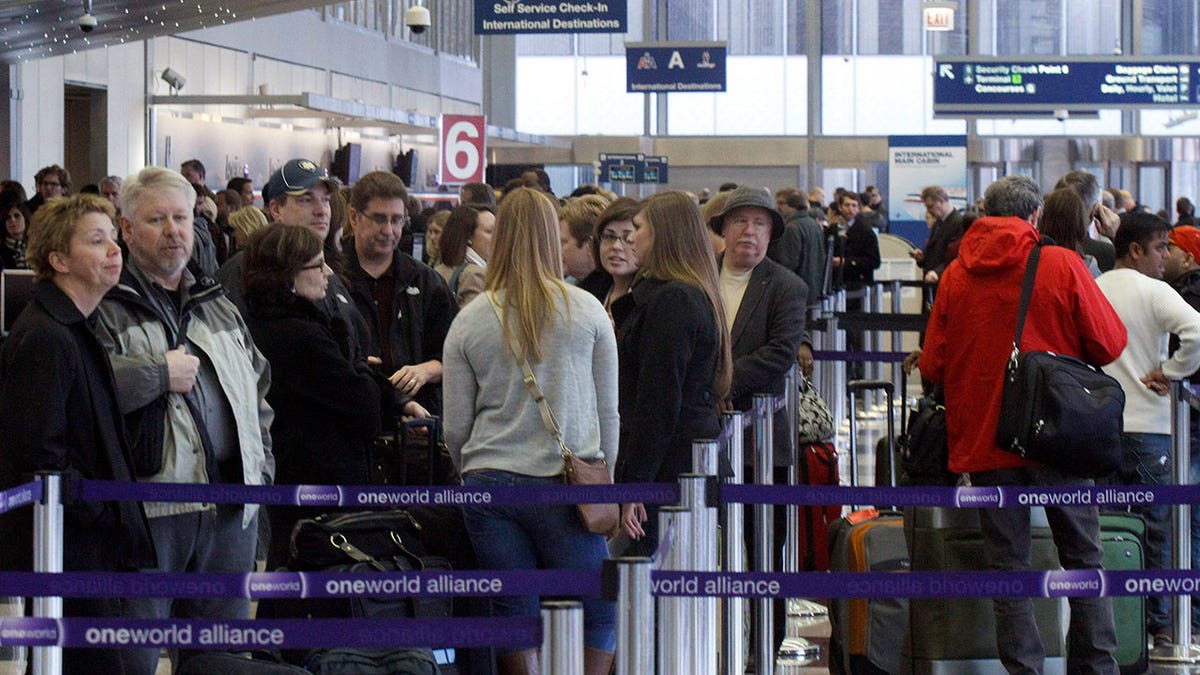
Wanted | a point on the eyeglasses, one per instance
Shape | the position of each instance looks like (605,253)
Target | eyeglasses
(381,219)
(610,238)
(314,266)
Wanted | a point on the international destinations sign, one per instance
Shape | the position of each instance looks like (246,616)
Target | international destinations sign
(980,86)
(662,67)
(494,17)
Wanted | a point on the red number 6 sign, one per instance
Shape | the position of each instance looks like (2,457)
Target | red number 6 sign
(462,145)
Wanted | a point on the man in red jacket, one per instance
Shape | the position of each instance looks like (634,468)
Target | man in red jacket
(969,340)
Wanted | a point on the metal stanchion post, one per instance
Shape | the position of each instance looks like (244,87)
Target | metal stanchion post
(635,617)
(764,534)
(839,367)
(562,637)
(48,557)
(704,457)
(1181,545)
(674,653)
(734,557)
(869,343)
(898,346)
(693,490)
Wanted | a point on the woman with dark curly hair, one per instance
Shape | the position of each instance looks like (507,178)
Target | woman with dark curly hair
(16,217)
(326,405)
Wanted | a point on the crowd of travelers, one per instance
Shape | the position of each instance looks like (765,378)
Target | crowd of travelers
(181,335)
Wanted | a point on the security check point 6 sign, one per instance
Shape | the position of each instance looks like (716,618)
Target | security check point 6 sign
(461,147)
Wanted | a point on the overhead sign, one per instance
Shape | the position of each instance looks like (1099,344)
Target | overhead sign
(654,170)
(914,163)
(972,85)
(939,16)
(460,150)
(550,16)
(656,67)
(620,168)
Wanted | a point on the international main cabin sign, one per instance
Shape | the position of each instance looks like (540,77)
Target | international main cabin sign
(968,85)
(497,17)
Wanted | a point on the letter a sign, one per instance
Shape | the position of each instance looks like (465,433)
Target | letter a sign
(461,151)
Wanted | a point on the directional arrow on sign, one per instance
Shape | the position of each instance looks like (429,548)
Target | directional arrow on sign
(946,70)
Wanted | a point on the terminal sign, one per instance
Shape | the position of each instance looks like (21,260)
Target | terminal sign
(658,67)
(1069,84)
(550,16)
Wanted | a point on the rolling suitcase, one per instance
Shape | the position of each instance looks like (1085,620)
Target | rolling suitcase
(945,539)
(818,466)
(1122,535)
(867,634)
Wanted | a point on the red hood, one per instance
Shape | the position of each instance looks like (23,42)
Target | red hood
(993,244)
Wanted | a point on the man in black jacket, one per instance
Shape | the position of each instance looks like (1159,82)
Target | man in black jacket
(764,308)
(407,305)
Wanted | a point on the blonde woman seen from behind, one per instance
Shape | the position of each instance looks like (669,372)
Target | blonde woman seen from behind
(494,428)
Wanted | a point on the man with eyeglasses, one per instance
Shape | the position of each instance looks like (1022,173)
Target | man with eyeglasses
(299,193)
(49,182)
(407,305)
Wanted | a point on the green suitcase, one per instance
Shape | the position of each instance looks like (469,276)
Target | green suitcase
(957,636)
(1123,535)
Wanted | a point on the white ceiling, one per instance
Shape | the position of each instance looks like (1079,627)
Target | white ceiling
(41,28)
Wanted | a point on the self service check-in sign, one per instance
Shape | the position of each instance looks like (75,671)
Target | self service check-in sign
(659,67)
(966,86)
(550,16)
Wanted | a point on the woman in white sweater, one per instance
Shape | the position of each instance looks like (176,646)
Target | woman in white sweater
(494,428)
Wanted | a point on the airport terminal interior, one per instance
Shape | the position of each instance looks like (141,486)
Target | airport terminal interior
(814,90)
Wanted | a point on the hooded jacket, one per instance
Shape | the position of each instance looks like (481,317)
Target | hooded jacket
(974,320)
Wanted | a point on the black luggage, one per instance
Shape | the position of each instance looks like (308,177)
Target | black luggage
(956,636)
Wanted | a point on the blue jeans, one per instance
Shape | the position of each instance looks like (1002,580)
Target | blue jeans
(544,537)
(1091,635)
(1146,460)
(202,541)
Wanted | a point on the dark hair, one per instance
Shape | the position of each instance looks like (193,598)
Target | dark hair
(377,185)
(194,164)
(10,203)
(236,183)
(1184,207)
(275,254)
(934,192)
(233,198)
(1139,227)
(13,189)
(457,234)
(64,176)
(624,208)
(1065,218)
(477,193)
(727,187)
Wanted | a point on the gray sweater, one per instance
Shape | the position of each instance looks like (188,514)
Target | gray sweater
(491,420)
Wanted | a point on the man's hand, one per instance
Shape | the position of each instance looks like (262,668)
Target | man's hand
(410,379)
(414,410)
(1156,382)
(1107,221)
(181,370)
(918,255)
(805,358)
(911,361)
(931,277)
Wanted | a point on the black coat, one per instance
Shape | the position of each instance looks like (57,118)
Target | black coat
(59,412)
(422,310)
(326,406)
(667,353)
(765,338)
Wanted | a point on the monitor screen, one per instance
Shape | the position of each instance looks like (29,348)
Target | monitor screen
(16,290)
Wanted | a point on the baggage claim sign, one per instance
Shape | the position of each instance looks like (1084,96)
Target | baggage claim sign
(494,17)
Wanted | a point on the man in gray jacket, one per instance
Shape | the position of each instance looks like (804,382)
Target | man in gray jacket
(192,386)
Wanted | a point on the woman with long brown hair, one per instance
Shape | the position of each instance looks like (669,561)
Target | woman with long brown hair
(673,349)
(494,426)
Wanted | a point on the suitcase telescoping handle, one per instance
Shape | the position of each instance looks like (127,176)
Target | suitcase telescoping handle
(853,388)
(433,424)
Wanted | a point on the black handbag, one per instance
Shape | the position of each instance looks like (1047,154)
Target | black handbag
(1056,409)
(924,450)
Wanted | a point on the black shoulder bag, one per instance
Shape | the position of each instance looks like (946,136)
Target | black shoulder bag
(1056,409)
